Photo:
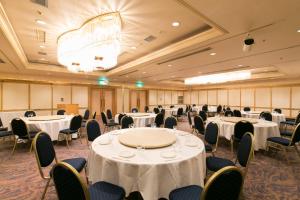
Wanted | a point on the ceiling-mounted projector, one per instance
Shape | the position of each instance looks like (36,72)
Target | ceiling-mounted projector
(248,43)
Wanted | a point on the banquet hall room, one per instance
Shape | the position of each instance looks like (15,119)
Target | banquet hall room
(149,100)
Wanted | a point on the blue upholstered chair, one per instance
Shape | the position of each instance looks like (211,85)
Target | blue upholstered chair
(266,116)
(4,132)
(29,113)
(156,110)
(134,110)
(170,122)
(228,113)
(120,116)
(211,137)
(94,115)
(21,132)
(93,130)
(244,154)
(219,109)
(179,113)
(159,120)
(86,115)
(69,185)
(240,128)
(75,126)
(291,123)
(247,109)
(278,110)
(199,125)
(60,112)
(107,124)
(190,121)
(283,144)
(109,115)
(203,115)
(45,155)
(126,122)
(237,113)
(146,109)
(225,184)
(205,108)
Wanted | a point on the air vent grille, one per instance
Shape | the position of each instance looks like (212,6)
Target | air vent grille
(150,38)
(41,2)
(40,36)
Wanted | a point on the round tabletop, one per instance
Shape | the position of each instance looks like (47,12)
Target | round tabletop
(262,129)
(138,169)
(276,117)
(139,119)
(51,124)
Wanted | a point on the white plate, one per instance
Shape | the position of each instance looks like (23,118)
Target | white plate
(168,154)
(191,144)
(126,154)
(104,141)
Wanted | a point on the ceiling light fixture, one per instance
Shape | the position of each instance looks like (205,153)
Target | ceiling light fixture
(134,48)
(144,72)
(96,44)
(298,30)
(240,65)
(169,65)
(175,24)
(42,46)
(41,22)
(219,78)
(213,53)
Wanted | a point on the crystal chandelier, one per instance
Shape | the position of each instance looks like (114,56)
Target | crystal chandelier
(95,45)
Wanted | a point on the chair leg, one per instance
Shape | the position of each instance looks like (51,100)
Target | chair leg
(45,190)
(79,135)
(285,155)
(66,137)
(31,146)
(14,148)
(231,144)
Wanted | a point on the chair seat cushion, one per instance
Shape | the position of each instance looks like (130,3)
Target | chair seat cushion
(77,163)
(208,148)
(279,140)
(215,163)
(3,129)
(106,191)
(286,133)
(288,122)
(31,133)
(192,192)
(112,124)
(68,131)
(5,133)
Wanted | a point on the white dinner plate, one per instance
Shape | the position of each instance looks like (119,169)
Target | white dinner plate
(104,141)
(168,154)
(191,144)
(126,154)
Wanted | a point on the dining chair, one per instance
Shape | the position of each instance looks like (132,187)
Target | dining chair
(211,137)
(244,155)
(240,128)
(237,113)
(225,184)
(203,115)
(205,108)
(107,125)
(278,110)
(120,116)
(247,109)
(109,115)
(134,110)
(156,110)
(179,113)
(86,115)
(163,111)
(228,113)
(291,122)
(60,112)
(4,132)
(29,113)
(219,109)
(69,185)
(159,120)
(74,127)
(126,122)
(94,115)
(93,130)
(190,121)
(199,125)
(45,155)
(170,122)
(21,133)
(146,109)
(284,144)
(265,115)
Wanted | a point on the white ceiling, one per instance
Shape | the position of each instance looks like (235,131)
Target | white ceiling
(273,25)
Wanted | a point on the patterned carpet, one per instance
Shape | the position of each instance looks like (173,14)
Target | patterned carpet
(269,176)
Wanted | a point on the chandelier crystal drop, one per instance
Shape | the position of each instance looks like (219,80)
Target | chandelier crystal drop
(95,45)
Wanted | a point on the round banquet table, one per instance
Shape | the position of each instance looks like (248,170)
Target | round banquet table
(170,111)
(262,129)
(147,170)
(51,124)
(139,119)
(276,117)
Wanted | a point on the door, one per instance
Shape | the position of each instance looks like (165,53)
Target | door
(102,99)
(138,99)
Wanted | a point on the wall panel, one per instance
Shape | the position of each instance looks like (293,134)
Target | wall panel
(263,97)
(281,97)
(40,96)
(234,97)
(174,97)
(15,96)
(222,97)
(195,97)
(152,97)
(126,100)
(160,97)
(186,97)
(202,97)
(168,97)
(80,95)
(212,97)
(247,97)
(295,97)
(61,95)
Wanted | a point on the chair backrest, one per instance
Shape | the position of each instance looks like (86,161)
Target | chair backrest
(228,113)
(126,121)
(297,121)
(187,108)
(60,112)
(247,109)
(120,117)
(203,115)
(93,130)
(44,151)
(170,122)
(19,127)
(278,110)
(159,106)
(146,109)
(156,110)
(163,111)
(29,113)
(225,184)
(198,124)
(266,115)
(245,149)
(1,124)
(94,115)
(228,108)
(171,106)
(68,183)
(237,113)
(211,135)
(179,112)
(242,127)
(205,108)
(86,114)
(159,119)
(75,123)
(219,109)
(134,110)
(109,114)
(103,117)
(296,135)
(189,118)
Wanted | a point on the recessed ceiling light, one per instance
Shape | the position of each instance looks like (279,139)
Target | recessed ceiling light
(127,76)
(169,65)
(298,30)
(213,53)
(38,21)
(199,72)
(134,48)
(42,46)
(240,65)
(144,72)
(172,76)
(175,24)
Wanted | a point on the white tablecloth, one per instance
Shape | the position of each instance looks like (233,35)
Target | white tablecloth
(170,111)
(262,130)
(139,121)
(276,117)
(6,117)
(52,127)
(147,171)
